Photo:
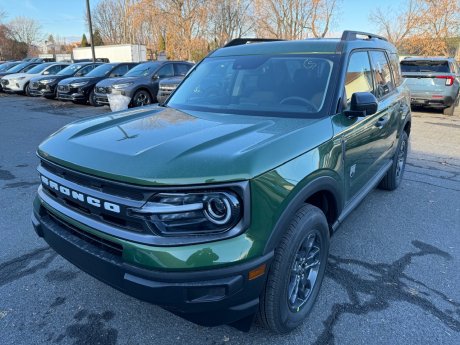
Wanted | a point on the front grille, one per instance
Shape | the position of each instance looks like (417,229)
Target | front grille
(123,219)
(34,85)
(168,87)
(102,243)
(63,88)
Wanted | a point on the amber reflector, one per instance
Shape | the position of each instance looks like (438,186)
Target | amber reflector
(257,272)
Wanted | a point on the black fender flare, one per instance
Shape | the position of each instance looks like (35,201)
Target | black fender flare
(322,183)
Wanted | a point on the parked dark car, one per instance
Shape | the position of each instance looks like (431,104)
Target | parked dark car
(433,81)
(46,86)
(21,67)
(141,83)
(166,87)
(81,89)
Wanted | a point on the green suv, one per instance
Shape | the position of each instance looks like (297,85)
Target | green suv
(219,205)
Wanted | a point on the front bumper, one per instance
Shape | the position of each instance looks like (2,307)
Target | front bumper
(42,90)
(71,96)
(101,99)
(206,297)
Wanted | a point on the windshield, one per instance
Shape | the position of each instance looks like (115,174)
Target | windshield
(257,85)
(70,70)
(143,69)
(19,67)
(425,66)
(38,69)
(101,71)
(6,66)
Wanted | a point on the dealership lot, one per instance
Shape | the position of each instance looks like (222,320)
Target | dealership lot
(392,277)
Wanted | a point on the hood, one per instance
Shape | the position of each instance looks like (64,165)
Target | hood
(163,146)
(71,80)
(111,81)
(49,76)
(15,76)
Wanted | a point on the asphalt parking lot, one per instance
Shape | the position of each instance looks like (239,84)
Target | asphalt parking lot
(393,275)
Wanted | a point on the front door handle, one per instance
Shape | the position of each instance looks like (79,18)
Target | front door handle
(382,121)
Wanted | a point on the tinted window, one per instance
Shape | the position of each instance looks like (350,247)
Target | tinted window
(19,67)
(425,66)
(54,69)
(119,71)
(182,68)
(101,71)
(70,70)
(85,70)
(37,69)
(142,70)
(395,66)
(359,75)
(166,71)
(284,86)
(382,74)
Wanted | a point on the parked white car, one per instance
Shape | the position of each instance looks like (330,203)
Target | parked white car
(19,82)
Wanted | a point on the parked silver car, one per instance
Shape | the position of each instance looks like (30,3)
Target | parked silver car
(433,82)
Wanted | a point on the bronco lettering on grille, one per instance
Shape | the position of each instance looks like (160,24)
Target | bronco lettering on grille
(95,202)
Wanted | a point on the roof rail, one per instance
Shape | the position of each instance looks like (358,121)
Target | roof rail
(241,41)
(353,35)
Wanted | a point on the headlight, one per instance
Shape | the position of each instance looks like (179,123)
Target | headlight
(121,86)
(193,213)
(81,83)
(47,81)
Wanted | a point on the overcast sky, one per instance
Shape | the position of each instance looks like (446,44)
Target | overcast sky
(66,17)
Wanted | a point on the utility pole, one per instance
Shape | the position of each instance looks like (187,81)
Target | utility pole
(88,13)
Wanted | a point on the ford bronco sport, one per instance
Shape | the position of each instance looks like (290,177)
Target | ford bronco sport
(219,205)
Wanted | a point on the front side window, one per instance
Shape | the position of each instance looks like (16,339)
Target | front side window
(37,69)
(359,75)
(166,71)
(101,71)
(279,85)
(382,74)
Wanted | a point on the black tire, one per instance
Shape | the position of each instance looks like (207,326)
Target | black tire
(141,98)
(394,176)
(27,90)
(277,311)
(92,99)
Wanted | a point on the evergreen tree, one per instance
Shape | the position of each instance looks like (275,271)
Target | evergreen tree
(97,38)
(84,41)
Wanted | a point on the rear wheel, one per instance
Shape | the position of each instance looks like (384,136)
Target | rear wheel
(141,98)
(295,277)
(393,178)
(451,110)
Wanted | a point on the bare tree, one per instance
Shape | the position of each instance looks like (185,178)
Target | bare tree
(229,19)
(26,30)
(395,25)
(290,19)
(421,27)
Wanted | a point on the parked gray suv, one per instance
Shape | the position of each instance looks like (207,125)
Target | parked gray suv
(433,81)
(141,83)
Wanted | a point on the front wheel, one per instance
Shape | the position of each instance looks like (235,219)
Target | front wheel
(27,90)
(393,178)
(298,268)
(92,99)
(141,98)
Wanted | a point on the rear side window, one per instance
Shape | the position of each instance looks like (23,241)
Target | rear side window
(382,74)
(359,75)
(425,66)
(394,61)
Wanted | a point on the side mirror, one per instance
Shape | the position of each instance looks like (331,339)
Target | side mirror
(362,104)
(46,72)
(156,77)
